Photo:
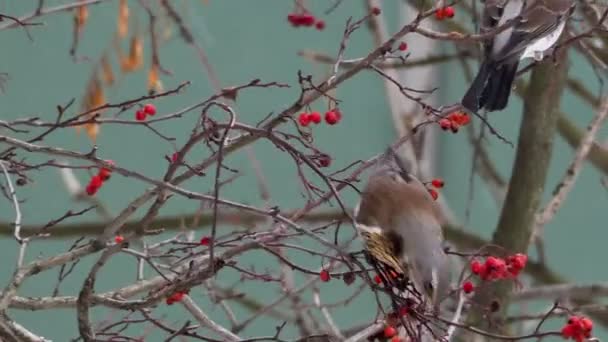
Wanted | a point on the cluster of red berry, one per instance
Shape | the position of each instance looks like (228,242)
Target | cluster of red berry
(454,121)
(97,181)
(142,113)
(445,12)
(497,268)
(176,297)
(578,328)
(332,117)
(305,19)
(436,183)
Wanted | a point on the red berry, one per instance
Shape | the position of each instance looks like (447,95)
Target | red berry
(439,14)
(169,301)
(437,182)
(320,25)
(402,46)
(518,261)
(568,331)
(119,239)
(477,267)
(304,119)
(389,331)
(434,194)
(454,127)
(377,279)
(468,287)
(96,181)
(104,173)
(174,157)
(376,10)
(307,19)
(91,190)
(445,124)
(150,109)
(586,323)
(403,311)
(324,160)
(448,12)
(324,275)
(463,119)
(205,241)
(396,339)
(315,117)
(178,296)
(140,115)
(338,113)
(332,117)
(293,19)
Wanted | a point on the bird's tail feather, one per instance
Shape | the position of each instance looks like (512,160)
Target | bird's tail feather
(491,87)
(498,89)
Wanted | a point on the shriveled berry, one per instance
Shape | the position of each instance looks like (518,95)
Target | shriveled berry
(320,25)
(324,161)
(376,10)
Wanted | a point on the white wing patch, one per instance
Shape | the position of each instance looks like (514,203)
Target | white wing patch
(536,50)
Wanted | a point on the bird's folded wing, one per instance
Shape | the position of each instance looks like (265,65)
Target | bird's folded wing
(539,18)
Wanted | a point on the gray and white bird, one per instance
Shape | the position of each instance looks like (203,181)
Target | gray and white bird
(399,223)
(537,26)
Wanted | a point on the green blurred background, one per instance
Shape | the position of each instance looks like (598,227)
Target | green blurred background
(247,40)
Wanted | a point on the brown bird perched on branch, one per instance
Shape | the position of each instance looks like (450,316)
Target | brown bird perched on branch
(533,27)
(398,221)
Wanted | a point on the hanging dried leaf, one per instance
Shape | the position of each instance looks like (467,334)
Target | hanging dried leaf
(135,60)
(123,19)
(92,131)
(154,83)
(94,97)
(80,17)
(106,71)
